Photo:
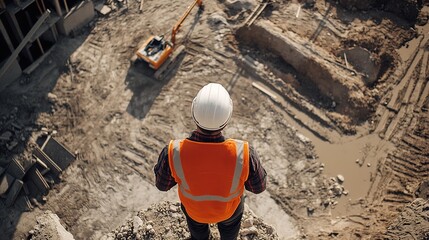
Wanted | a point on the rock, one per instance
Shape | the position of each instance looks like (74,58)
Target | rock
(137,223)
(239,5)
(52,98)
(149,227)
(340,178)
(159,222)
(337,189)
(49,224)
(248,231)
(6,136)
(217,19)
(247,223)
(345,193)
(173,208)
(302,138)
(12,145)
(310,211)
(369,164)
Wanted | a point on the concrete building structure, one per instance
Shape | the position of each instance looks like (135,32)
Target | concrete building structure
(30,28)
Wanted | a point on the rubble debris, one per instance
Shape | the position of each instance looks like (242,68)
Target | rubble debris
(49,227)
(10,146)
(6,136)
(163,221)
(16,169)
(42,169)
(337,189)
(413,219)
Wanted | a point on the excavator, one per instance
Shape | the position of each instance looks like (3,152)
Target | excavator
(158,52)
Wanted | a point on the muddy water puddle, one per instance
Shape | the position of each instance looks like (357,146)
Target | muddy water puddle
(353,157)
(356,159)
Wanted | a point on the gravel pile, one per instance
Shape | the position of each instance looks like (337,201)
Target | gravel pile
(165,220)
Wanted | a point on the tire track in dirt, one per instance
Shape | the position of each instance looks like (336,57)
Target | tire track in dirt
(402,123)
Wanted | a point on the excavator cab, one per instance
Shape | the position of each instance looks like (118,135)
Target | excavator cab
(155,45)
(155,51)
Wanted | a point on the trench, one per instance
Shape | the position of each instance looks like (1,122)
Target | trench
(356,157)
(344,85)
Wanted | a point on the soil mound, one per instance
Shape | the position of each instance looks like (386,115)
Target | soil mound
(49,227)
(165,220)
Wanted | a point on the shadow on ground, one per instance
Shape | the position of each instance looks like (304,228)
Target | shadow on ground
(145,87)
(21,105)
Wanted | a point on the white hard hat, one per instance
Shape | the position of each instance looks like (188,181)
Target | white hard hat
(212,107)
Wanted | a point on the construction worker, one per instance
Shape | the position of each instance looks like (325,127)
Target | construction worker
(211,171)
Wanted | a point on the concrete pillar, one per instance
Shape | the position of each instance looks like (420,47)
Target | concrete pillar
(17,31)
(67,7)
(15,28)
(58,8)
(6,37)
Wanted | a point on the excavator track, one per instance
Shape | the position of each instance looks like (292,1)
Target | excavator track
(168,65)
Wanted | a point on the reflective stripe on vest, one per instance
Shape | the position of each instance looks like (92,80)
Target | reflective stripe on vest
(184,187)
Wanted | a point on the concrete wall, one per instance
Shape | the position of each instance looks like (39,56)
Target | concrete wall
(80,15)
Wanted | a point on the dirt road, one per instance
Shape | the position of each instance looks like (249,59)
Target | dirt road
(310,113)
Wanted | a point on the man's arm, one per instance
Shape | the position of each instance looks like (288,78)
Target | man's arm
(256,182)
(164,180)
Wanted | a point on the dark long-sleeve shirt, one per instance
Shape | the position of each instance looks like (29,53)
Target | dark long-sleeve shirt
(256,181)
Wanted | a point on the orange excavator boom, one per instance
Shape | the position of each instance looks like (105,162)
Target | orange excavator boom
(179,23)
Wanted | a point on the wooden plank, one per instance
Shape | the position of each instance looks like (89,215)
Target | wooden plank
(27,203)
(265,90)
(38,180)
(141,5)
(38,153)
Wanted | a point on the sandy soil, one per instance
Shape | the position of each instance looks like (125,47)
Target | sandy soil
(310,114)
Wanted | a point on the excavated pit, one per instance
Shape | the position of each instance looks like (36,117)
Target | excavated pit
(344,85)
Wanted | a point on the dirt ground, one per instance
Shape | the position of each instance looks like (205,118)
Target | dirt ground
(332,95)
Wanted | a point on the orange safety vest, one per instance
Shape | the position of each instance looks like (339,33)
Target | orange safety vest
(210,176)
